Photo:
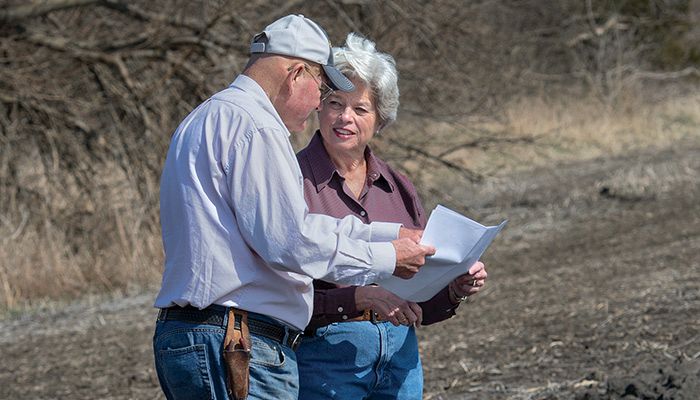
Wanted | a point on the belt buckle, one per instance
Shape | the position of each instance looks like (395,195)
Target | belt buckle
(296,341)
(373,316)
(292,338)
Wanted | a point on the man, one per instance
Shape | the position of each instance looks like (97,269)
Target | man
(241,249)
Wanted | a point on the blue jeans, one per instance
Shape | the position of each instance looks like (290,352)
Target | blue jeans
(189,364)
(360,360)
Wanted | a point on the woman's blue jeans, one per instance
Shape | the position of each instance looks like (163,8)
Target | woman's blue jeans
(360,360)
(189,364)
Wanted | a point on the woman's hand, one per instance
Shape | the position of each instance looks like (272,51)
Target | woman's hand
(388,306)
(468,284)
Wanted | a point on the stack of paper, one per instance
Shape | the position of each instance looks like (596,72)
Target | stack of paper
(459,243)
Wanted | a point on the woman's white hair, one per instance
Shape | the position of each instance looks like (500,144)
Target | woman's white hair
(359,59)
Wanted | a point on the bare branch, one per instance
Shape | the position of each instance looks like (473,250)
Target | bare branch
(200,28)
(282,10)
(484,142)
(419,29)
(41,106)
(597,31)
(662,76)
(38,8)
(468,174)
(115,60)
(138,13)
(342,14)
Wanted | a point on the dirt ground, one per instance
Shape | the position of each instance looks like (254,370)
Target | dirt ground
(593,293)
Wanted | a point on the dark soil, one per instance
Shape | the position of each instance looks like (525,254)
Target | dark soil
(593,293)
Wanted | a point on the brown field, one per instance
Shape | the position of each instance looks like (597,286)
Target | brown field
(579,122)
(593,293)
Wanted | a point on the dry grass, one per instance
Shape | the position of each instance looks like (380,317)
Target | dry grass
(46,261)
(586,129)
(538,132)
(44,256)
(89,96)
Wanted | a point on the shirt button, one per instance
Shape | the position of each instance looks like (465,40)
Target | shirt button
(363,213)
(345,317)
(340,309)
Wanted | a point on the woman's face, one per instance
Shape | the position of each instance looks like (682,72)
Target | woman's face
(348,120)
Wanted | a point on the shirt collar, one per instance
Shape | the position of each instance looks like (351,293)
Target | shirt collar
(377,172)
(250,86)
(323,169)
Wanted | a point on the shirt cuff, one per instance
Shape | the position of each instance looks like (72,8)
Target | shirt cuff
(383,259)
(439,308)
(384,231)
(339,304)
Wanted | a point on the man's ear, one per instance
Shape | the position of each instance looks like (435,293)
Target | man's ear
(296,70)
(294,73)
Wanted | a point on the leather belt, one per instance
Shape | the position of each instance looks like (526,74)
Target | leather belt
(214,315)
(367,315)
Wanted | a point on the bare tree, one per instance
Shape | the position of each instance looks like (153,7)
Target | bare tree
(90,91)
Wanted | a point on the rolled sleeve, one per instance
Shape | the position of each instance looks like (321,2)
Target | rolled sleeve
(384,231)
(384,255)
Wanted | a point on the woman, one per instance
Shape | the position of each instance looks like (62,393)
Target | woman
(361,342)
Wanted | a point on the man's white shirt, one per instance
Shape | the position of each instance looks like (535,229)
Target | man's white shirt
(235,226)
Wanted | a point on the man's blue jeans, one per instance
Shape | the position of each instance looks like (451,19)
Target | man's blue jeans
(360,360)
(190,365)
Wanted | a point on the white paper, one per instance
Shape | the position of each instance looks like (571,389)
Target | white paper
(459,243)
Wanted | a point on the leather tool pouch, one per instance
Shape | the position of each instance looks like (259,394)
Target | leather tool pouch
(237,354)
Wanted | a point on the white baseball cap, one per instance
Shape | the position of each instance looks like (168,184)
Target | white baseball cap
(300,37)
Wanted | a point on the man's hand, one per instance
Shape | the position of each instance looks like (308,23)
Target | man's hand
(389,306)
(410,256)
(413,234)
